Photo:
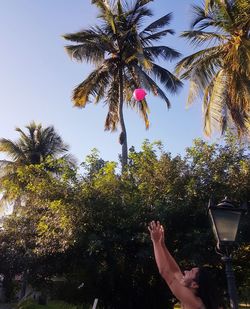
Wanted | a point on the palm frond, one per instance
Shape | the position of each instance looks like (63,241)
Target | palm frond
(199,68)
(207,57)
(93,83)
(119,9)
(221,73)
(224,106)
(200,37)
(200,14)
(131,81)
(214,107)
(204,19)
(145,62)
(159,23)
(218,16)
(151,85)
(209,4)
(164,52)
(12,149)
(86,52)
(238,94)
(103,5)
(169,80)
(27,141)
(241,10)
(106,12)
(112,118)
(142,109)
(140,15)
(157,36)
(138,12)
(194,91)
(7,167)
(83,36)
(50,143)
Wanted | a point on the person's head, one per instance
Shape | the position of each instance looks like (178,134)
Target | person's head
(201,281)
(190,278)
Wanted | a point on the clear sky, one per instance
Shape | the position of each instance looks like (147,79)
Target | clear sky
(37,78)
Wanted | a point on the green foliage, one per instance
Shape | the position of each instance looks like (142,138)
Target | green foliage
(91,227)
(46,201)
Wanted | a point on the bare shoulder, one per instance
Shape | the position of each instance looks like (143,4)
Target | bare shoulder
(197,304)
(185,295)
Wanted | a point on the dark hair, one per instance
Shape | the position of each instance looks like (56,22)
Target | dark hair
(207,288)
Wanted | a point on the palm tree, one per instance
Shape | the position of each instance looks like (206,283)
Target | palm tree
(221,71)
(124,57)
(32,148)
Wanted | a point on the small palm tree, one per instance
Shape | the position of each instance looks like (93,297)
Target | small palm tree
(32,148)
(221,71)
(124,55)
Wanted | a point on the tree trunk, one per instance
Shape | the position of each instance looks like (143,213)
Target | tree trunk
(24,284)
(122,124)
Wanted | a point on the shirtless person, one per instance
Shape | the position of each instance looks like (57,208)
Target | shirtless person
(193,287)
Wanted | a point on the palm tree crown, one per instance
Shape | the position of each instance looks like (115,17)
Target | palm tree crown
(31,148)
(34,147)
(220,72)
(124,54)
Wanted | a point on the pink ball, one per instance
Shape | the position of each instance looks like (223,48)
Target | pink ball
(139,94)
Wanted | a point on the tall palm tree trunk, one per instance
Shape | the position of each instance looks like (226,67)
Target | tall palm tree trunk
(123,136)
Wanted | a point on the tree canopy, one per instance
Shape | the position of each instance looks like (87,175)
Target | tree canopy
(91,226)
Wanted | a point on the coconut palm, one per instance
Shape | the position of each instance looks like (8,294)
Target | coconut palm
(210,3)
(124,55)
(33,147)
(221,71)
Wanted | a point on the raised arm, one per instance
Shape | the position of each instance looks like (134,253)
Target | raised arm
(166,264)
(169,269)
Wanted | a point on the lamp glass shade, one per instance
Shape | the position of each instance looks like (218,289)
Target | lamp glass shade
(225,223)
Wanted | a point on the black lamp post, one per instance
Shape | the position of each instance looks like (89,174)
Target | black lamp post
(225,219)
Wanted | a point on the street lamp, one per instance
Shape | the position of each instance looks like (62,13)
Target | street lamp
(225,219)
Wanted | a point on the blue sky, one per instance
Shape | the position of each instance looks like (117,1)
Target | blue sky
(37,78)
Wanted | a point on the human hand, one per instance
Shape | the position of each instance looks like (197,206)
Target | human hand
(156,231)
